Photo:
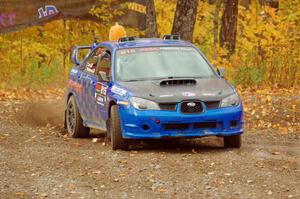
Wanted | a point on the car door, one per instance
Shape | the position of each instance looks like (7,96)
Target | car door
(94,89)
(103,71)
(89,81)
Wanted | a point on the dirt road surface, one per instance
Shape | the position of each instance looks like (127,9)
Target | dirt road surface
(38,161)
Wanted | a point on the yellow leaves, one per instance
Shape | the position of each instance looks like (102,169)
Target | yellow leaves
(264,112)
(20,194)
(294,107)
(271,109)
(31,95)
(165,11)
(270,12)
(268,98)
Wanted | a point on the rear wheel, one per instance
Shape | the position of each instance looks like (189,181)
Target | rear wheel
(108,133)
(234,141)
(74,121)
(117,141)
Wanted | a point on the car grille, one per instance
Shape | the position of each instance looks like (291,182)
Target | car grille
(203,125)
(212,104)
(197,125)
(167,106)
(190,107)
(176,126)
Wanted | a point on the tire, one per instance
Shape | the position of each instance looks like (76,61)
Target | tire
(108,133)
(74,121)
(117,141)
(234,141)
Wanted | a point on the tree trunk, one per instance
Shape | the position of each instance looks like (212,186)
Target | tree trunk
(185,18)
(151,27)
(216,25)
(229,26)
(246,3)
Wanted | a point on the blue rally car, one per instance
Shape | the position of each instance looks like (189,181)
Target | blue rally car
(150,89)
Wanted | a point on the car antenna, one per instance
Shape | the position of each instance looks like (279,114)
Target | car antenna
(96,38)
(95,42)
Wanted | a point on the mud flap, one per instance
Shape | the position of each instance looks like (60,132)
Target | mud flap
(65,120)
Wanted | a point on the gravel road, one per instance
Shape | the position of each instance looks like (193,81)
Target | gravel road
(38,161)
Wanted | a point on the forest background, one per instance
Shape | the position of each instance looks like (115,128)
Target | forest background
(264,53)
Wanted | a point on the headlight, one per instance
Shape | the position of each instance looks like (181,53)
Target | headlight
(143,104)
(232,100)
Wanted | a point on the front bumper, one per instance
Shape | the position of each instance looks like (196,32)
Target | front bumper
(150,124)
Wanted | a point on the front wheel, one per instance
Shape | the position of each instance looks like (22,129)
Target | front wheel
(117,141)
(234,141)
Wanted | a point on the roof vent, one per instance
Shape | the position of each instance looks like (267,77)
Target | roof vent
(171,37)
(175,82)
(126,39)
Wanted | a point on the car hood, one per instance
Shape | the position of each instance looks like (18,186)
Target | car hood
(206,89)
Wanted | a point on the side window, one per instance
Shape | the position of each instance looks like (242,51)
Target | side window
(93,61)
(104,63)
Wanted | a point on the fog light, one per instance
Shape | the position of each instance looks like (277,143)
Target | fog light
(233,123)
(145,127)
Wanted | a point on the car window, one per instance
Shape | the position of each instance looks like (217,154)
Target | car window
(104,63)
(91,63)
(160,62)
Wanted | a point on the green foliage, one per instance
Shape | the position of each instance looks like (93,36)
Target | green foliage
(38,75)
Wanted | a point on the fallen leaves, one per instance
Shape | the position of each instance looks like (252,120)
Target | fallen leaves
(27,94)
(20,194)
(277,109)
(275,153)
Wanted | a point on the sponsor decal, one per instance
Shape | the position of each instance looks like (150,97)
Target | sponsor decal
(117,90)
(49,10)
(126,51)
(100,99)
(103,90)
(125,103)
(209,94)
(167,95)
(188,94)
(152,49)
(177,48)
(191,104)
(137,7)
(74,71)
(90,67)
(75,86)
(100,93)
(7,19)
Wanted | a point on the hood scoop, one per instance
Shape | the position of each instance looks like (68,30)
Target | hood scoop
(177,82)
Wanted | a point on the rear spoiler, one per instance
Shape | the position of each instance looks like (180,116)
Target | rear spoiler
(74,53)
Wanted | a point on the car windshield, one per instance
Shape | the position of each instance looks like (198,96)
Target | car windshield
(160,62)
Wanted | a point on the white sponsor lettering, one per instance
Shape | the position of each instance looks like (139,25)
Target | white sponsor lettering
(188,94)
(118,90)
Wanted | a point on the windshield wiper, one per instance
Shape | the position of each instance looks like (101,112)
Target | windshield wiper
(161,78)
(134,80)
(180,77)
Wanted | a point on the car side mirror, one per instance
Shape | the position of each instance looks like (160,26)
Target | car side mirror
(74,54)
(221,72)
(102,76)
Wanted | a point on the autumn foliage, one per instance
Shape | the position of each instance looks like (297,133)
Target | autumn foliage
(267,47)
